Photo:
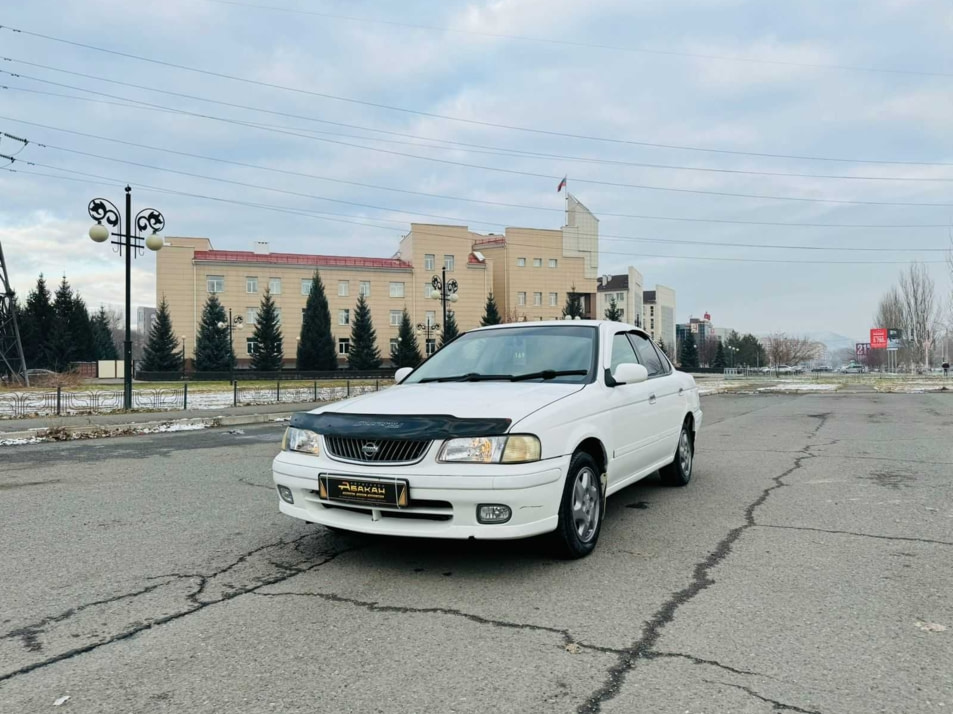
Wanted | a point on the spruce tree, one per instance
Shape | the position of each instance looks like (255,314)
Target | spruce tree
(213,351)
(661,346)
(81,331)
(407,351)
(37,326)
(719,362)
(316,346)
(573,307)
(364,353)
(269,351)
(450,330)
(161,353)
(688,359)
(103,337)
(61,345)
(613,311)
(491,315)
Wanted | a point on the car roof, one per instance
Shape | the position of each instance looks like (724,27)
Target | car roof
(603,324)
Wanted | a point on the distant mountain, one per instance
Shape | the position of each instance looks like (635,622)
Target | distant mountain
(832,341)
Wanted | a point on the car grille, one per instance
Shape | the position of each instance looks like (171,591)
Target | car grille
(375,451)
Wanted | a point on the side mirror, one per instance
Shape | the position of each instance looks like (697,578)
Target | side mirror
(401,374)
(628,373)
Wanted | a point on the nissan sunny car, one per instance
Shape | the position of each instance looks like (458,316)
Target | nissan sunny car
(507,432)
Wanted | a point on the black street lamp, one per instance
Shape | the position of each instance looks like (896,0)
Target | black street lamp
(131,239)
(427,327)
(239,323)
(444,291)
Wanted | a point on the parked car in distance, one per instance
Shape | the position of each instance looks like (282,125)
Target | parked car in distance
(853,369)
(509,431)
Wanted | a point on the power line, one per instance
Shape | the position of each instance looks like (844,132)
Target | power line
(432,115)
(474,148)
(301,174)
(585,45)
(553,177)
(321,216)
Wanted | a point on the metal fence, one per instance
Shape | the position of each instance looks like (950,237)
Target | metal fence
(16,405)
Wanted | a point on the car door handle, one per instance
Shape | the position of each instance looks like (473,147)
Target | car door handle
(652,399)
(681,391)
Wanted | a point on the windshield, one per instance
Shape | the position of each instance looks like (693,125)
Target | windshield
(552,353)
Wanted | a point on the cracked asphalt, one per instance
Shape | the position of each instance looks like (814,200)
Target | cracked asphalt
(806,568)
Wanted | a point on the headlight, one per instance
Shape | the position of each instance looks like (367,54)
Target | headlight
(491,450)
(303,440)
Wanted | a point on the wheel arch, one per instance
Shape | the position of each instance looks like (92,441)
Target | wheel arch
(596,449)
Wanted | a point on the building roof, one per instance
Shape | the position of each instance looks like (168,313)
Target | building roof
(616,282)
(648,296)
(318,261)
(489,242)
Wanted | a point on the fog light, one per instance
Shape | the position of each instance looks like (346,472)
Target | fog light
(285,494)
(493,513)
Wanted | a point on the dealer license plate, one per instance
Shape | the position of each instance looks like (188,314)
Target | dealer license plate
(366,491)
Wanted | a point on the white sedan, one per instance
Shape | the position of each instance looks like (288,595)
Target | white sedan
(509,431)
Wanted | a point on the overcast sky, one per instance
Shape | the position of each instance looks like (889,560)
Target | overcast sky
(809,94)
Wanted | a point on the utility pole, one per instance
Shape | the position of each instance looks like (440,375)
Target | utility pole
(12,360)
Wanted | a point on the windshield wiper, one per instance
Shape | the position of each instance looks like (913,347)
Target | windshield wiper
(548,374)
(469,377)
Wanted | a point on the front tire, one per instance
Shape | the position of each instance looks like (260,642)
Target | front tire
(580,510)
(679,472)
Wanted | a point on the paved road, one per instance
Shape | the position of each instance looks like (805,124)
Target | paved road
(807,568)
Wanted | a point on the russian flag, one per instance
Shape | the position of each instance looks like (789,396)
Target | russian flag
(562,185)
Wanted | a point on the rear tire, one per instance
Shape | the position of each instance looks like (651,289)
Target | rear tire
(580,510)
(679,472)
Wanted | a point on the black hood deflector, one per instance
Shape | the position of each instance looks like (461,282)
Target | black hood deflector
(420,427)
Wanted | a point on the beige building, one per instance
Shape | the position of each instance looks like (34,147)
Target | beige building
(652,310)
(530,271)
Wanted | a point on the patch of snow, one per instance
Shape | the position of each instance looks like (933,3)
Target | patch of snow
(19,442)
(163,428)
(799,387)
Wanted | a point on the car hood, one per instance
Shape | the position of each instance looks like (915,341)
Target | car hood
(474,400)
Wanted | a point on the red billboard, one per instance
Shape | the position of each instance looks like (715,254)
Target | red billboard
(878,338)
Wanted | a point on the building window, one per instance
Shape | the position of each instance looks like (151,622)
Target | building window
(621,313)
(429,261)
(428,288)
(431,317)
(652,324)
(652,310)
(365,288)
(521,262)
(553,299)
(537,298)
(395,316)
(553,262)
(344,288)
(397,290)
(251,315)
(537,262)
(431,346)
(274,286)
(215,283)
(306,286)
(394,344)
(278,315)
(448,262)
(251,284)
(620,297)
(520,298)
(344,317)
(344,345)
(251,345)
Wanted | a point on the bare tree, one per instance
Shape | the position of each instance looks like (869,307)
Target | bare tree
(706,351)
(921,314)
(789,350)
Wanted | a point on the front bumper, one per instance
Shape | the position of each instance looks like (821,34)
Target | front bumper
(443,497)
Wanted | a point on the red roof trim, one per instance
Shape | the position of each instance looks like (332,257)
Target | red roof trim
(325,261)
(489,242)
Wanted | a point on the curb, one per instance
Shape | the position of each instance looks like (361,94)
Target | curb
(71,433)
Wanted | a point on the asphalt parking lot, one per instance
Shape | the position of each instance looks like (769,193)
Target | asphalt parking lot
(807,568)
